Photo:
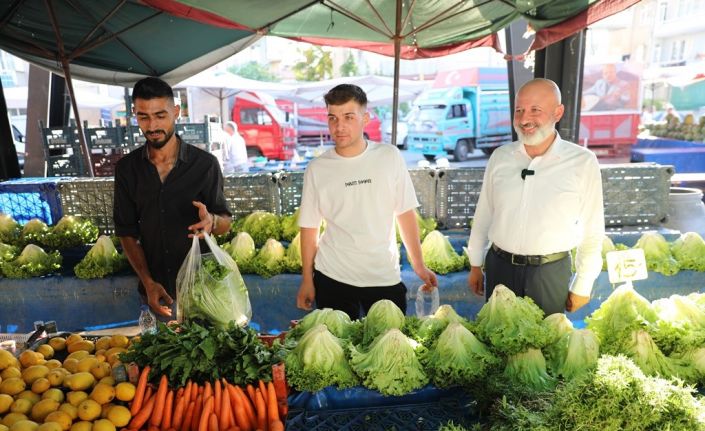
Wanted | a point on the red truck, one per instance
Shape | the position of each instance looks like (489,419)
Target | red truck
(609,117)
(267,129)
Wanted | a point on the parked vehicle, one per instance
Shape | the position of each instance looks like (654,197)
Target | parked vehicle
(18,140)
(312,127)
(402,130)
(456,120)
(267,129)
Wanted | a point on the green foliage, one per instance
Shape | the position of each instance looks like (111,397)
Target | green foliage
(32,262)
(191,351)
(242,250)
(574,353)
(557,325)
(9,229)
(439,255)
(319,360)
(70,232)
(689,251)
(389,365)
(680,325)
(290,226)
(528,368)
(382,316)
(270,259)
(7,252)
(349,67)
(101,260)
(34,232)
(254,70)
(337,321)
(657,253)
(292,260)
(261,226)
(511,324)
(431,326)
(316,66)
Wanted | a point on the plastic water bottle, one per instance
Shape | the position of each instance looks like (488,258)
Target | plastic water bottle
(426,302)
(147,320)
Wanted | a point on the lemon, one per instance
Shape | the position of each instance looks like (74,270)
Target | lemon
(57,343)
(50,426)
(125,391)
(82,426)
(24,425)
(21,405)
(53,364)
(102,393)
(30,374)
(12,386)
(46,350)
(55,394)
(29,395)
(89,410)
(6,359)
(62,418)
(69,410)
(76,397)
(11,418)
(11,371)
(42,409)
(120,416)
(103,425)
(5,403)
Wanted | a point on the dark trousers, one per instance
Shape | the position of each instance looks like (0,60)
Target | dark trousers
(354,300)
(546,284)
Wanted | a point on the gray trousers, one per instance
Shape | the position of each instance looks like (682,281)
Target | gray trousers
(546,284)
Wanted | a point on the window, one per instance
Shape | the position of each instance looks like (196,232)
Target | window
(663,11)
(255,116)
(457,111)
(678,50)
(656,58)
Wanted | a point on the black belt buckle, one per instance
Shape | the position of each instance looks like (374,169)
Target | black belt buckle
(520,262)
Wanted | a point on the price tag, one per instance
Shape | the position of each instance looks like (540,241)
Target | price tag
(626,265)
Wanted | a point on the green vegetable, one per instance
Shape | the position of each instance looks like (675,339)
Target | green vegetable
(292,260)
(9,229)
(641,348)
(34,232)
(575,353)
(426,225)
(439,255)
(32,262)
(557,325)
(269,261)
(529,369)
(689,251)
(261,226)
(319,360)
(658,253)
(389,365)
(101,260)
(216,296)
(242,250)
(337,321)
(511,324)
(607,246)
(382,315)
(290,226)
(680,325)
(457,358)
(431,326)
(623,312)
(7,252)
(71,231)
(191,351)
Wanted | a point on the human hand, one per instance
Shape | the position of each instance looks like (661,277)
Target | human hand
(155,294)
(306,295)
(205,225)
(575,302)
(475,281)
(428,277)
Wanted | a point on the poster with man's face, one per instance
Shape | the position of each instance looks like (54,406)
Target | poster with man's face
(610,87)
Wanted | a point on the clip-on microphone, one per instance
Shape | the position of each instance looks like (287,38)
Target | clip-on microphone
(526,172)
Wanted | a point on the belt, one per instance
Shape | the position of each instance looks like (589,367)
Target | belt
(522,260)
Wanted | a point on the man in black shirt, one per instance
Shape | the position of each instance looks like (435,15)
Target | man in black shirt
(164,190)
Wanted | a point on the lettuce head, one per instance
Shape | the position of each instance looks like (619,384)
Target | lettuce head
(439,255)
(689,251)
(657,252)
(261,226)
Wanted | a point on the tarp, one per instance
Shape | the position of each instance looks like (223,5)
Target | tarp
(379,89)
(16,97)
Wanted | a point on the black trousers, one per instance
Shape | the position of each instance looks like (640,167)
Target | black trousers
(354,300)
(546,284)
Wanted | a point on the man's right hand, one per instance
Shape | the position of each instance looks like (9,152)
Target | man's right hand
(155,296)
(475,281)
(306,295)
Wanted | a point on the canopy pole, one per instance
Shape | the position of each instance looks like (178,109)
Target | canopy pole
(397,57)
(81,137)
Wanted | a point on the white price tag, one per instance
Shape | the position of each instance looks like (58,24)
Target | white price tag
(626,265)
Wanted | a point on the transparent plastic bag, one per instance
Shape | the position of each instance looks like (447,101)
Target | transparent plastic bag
(426,302)
(217,300)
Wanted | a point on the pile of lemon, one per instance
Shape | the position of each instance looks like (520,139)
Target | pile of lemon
(41,393)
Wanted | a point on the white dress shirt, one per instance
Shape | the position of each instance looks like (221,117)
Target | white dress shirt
(556,209)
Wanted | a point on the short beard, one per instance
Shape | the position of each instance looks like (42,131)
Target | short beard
(159,144)
(541,134)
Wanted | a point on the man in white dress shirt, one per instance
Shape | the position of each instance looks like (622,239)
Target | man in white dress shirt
(541,197)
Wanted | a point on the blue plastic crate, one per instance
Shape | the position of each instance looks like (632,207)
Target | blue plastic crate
(28,198)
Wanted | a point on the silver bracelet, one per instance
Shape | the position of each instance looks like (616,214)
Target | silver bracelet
(215,221)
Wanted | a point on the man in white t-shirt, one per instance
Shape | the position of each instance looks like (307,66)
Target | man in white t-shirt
(234,150)
(359,188)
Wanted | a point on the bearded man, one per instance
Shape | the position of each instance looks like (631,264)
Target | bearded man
(541,197)
(165,193)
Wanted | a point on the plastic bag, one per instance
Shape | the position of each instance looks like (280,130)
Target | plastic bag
(209,292)
(426,301)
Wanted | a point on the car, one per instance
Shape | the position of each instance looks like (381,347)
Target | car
(18,140)
(402,130)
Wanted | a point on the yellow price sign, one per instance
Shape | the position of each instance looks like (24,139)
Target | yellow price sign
(626,265)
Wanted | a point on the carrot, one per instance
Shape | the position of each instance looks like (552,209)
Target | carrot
(195,391)
(217,397)
(206,414)
(152,428)
(179,393)
(251,394)
(168,411)
(207,391)
(187,394)
(213,422)
(143,415)
(261,411)
(249,408)
(140,391)
(198,410)
(272,407)
(186,423)
(178,413)
(148,393)
(242,420)
(263,388)
(276,426)
(158,412)
(225,411)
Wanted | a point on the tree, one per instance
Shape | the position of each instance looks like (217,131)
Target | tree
(317,66)
(349,67)
(254,70)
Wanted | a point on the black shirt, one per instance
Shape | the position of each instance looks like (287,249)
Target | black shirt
(158,214)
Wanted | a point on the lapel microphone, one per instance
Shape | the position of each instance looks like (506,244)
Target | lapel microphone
(526,172)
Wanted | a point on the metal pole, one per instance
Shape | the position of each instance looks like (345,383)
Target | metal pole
(81,137)
(397,55)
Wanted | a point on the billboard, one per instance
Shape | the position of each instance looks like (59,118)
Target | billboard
(611,87)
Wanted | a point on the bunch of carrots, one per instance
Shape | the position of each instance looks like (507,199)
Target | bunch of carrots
(220,406)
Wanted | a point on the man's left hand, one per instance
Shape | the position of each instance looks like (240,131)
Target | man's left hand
(205,225)
(428,277)
(575,302)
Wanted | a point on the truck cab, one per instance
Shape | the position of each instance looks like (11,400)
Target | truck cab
(456,120)
(264,126)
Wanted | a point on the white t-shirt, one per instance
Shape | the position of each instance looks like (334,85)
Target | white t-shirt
(359,198)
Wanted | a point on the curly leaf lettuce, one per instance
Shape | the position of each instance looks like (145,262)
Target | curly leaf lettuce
(528,368)
(101,260)
(439,255)
(689,251)
(657,253)
(383,315)
(575,353)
